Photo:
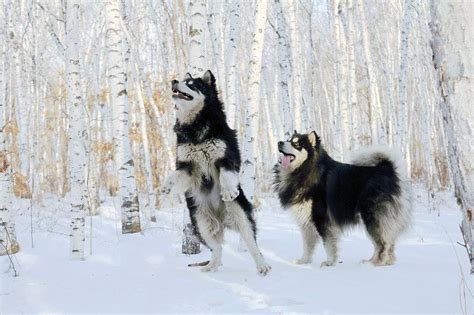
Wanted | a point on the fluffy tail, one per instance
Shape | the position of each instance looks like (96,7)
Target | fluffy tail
(398,214)
(372,156)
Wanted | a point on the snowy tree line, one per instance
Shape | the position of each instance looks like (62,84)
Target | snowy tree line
(85,106)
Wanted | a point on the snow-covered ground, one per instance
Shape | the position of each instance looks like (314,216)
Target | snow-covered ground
(145,273)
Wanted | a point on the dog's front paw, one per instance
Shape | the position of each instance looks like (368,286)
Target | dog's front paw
(264,268)
(167,185)
(229,185)
(303,261)
(229,195)
(166,188)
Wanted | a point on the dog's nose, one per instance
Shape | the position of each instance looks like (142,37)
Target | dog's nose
(280,144)
(174,85)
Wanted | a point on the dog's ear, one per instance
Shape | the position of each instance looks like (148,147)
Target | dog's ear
(314,139)
(208,78)
(188,76)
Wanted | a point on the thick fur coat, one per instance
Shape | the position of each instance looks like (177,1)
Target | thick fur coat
(327,196)
(207,169)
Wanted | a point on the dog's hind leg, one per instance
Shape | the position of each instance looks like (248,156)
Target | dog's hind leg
(381,247)
(212,232)
(240,214)
(391,255)
(383,228)
(330,240)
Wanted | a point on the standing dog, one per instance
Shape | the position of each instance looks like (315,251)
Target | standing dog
(326,196)
(207,169)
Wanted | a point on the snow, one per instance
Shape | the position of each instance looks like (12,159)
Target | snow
(145,273)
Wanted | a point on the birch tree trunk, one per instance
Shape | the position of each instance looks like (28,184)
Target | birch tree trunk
(231,63)
(403,77)
(197,65)
(151,202)
(353,108)
(197,50)
(375,109)
(342,114)
(252,108)
(284,71)
(295,73)
(77,132)
(452,60)
(120,109)
(8,243)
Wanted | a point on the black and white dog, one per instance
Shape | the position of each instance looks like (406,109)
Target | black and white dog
(326,196)
(207,169)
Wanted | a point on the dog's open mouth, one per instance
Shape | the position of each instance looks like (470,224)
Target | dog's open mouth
(286,159)
(178,94)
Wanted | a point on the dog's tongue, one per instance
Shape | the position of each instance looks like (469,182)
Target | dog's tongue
(285,161)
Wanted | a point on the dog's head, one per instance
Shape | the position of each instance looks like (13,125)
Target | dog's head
(189,94)
(298,149)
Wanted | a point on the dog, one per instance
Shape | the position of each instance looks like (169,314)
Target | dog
(326,197)
(207,169)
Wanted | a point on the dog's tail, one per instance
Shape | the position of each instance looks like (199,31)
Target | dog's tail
(375,155)
(399,212)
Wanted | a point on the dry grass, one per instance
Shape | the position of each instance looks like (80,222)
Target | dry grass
(20,186)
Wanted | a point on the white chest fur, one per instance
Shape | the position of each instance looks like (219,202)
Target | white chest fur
(203,155)
(302,213)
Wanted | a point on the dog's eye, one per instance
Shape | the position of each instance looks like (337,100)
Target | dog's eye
(191,85)
(296,143)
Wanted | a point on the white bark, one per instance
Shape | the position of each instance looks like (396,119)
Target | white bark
(252,109)
(455,71)
(403,76)
(353,106)
(284,72)
(197,48)
(8,242)
(196,66)
(375,108)
(231,63)
(342,112)
(296,76)
(77,132)
(120,109)
(150,207)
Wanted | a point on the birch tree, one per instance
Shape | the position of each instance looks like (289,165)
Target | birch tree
(455,89)
(77,132)
(403,75)
(8,242)
(250,146)
(295,71)
(231,63)
(375,116)
(341,66)
(284,71)
(197,65)
(119,102)
(353,106)
(197,48)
